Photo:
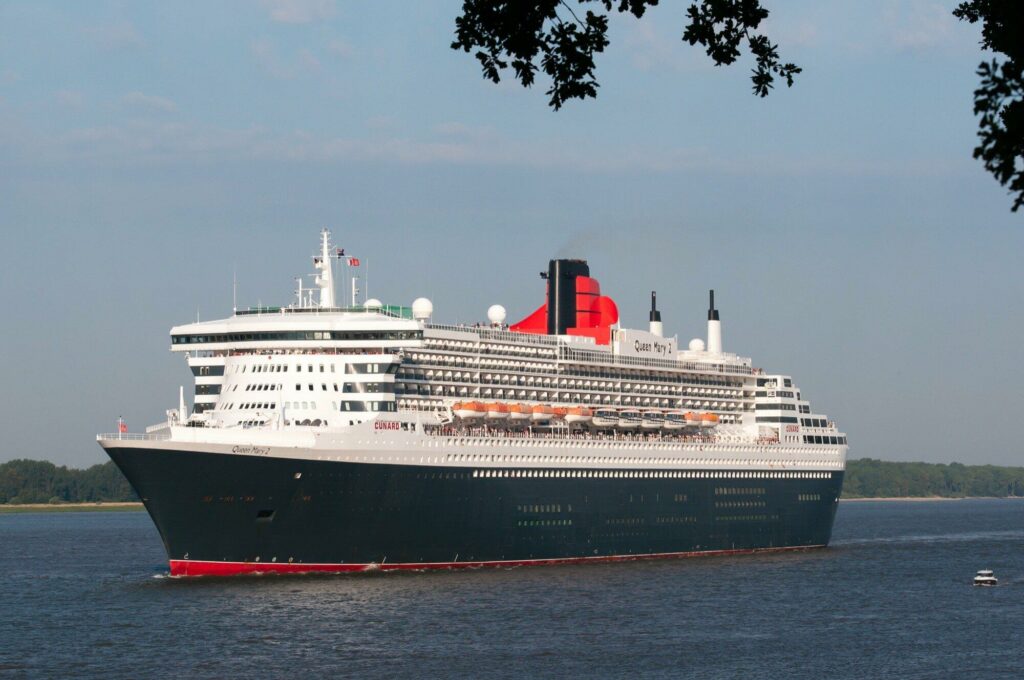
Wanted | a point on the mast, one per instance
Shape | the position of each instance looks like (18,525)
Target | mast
(325,277)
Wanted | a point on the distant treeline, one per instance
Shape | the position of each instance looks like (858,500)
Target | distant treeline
(36,481)
(39,481)
(870,478)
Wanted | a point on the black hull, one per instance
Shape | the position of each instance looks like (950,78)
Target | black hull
(274,514)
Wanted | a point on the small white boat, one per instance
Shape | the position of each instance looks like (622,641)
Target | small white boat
(985,577)
(605,417)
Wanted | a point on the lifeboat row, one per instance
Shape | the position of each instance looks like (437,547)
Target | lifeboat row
(582,415)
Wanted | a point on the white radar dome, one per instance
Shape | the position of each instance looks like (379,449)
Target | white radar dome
(696,345)
(422,308)
(373,303)
(496,314)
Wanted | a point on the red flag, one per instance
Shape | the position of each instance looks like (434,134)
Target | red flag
(353,261)
(122,427)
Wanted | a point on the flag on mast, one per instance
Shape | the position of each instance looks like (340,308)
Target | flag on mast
(353,261)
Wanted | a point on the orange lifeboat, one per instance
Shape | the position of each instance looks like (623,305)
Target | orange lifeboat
(468,410)
(496,410)
(560,412)
(541,413)
(519,412)
(692,418)
(579,414)
(708,419)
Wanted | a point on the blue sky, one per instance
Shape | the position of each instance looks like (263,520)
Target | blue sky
(150,150)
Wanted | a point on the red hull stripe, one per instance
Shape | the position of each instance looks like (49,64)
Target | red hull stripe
(203,568)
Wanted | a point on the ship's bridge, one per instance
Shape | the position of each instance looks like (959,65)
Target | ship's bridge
(210,345)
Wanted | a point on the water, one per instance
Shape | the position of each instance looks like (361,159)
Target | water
(86,595)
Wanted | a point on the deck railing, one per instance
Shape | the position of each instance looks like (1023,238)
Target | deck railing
(133,436)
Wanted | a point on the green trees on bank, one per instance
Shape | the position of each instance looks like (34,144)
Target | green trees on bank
(870,478)
(39,481)
(36,481)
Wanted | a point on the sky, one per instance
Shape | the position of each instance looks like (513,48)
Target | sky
(150,152)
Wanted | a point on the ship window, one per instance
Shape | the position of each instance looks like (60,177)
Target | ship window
(298,387)
(310,368)
(305,405)
(321,368)
(310,387)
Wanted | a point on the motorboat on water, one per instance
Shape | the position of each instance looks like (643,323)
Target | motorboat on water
(985,577)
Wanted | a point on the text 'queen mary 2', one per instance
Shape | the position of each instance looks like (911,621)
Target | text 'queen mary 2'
(333,437)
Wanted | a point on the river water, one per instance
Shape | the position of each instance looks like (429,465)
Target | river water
(85,594)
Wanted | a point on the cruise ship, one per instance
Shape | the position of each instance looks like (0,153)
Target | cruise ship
(335,435)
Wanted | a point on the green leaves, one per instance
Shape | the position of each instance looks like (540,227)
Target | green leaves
(999,99)
(550,35)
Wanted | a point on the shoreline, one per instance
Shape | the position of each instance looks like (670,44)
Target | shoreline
(130,506)
(99,506)
(918,499)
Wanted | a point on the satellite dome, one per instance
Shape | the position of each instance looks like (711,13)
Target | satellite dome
(496,314)
(422,308)
(373,303)
(696,345)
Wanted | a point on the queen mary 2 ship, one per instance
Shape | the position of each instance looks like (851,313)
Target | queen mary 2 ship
(344,437)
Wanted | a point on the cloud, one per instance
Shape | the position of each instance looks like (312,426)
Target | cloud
(918,25)
(147,143)
(387,121)
(275,65)
(790,34)
(457,130)
(651,48)
(71,99)
(340,48)
(116,36)
(138,100)
(299,11)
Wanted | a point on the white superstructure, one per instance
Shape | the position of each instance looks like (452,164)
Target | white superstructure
(382,383)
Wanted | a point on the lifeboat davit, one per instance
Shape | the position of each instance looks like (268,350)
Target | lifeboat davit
(629,419)
(605,417)
(541,413)
(675,420)
(519,412)
(579,414)
(652,420)
(468,410)
(708,419)
(496,410)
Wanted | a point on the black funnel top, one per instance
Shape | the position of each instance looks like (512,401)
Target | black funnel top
(562,293)
(712,312)
(655,314)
